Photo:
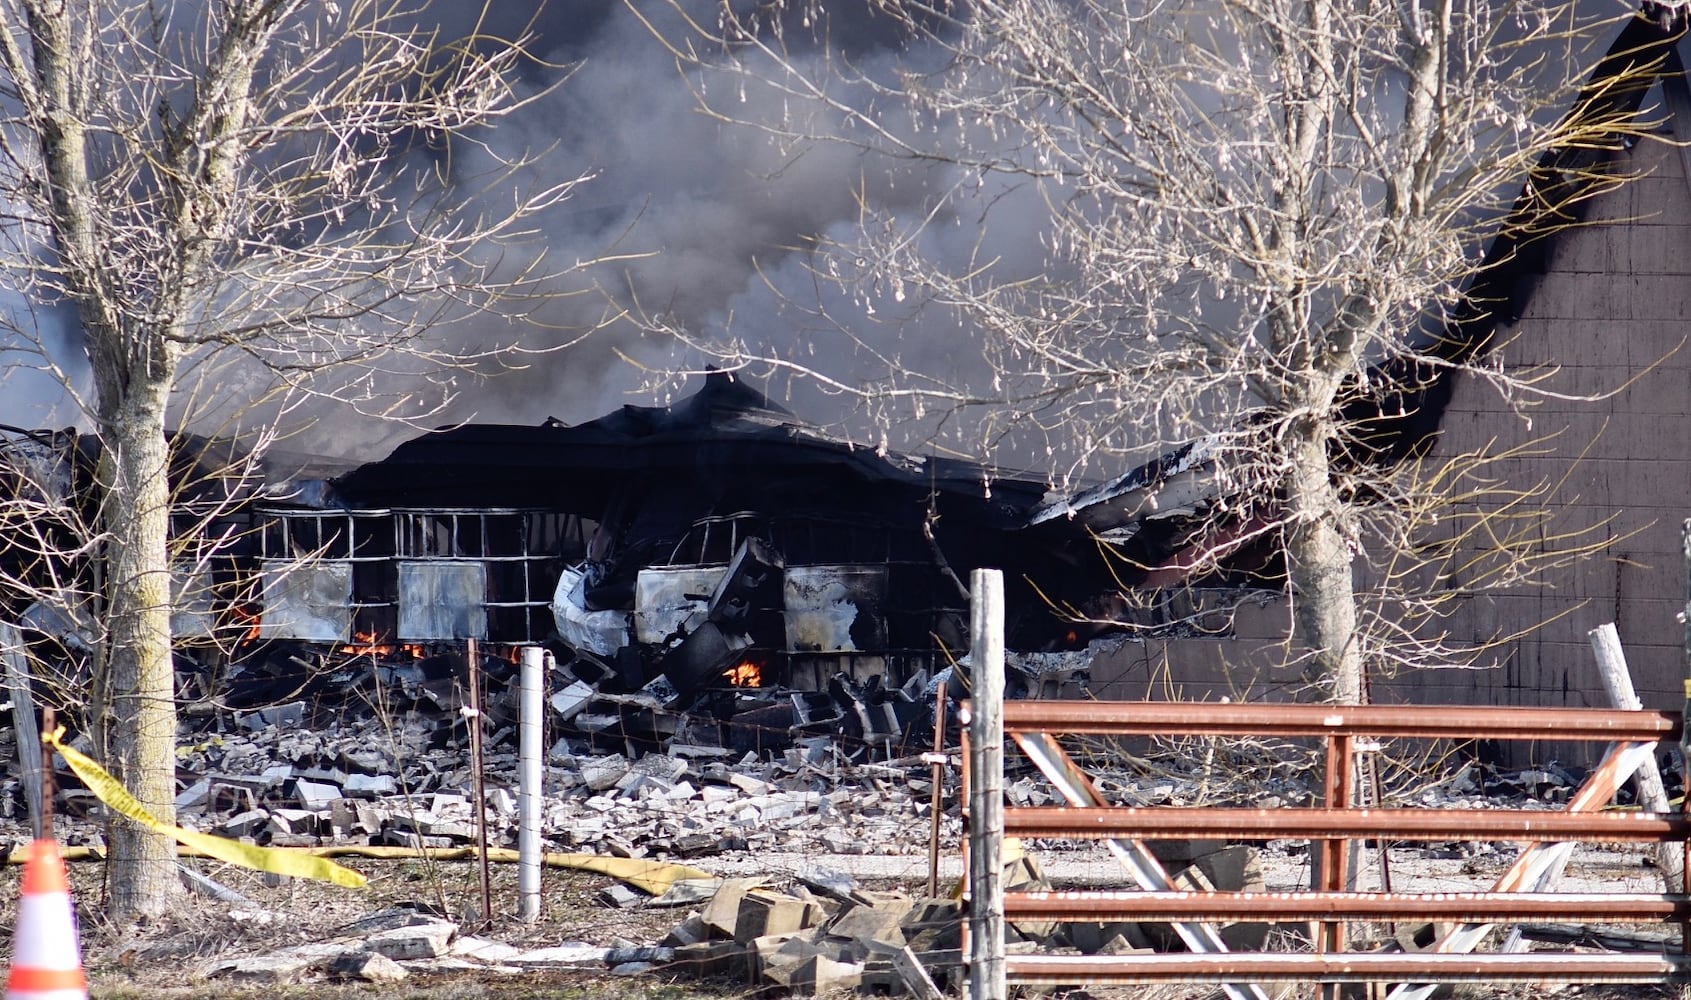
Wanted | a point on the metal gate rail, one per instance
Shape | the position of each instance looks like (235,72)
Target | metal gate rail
(1329,828)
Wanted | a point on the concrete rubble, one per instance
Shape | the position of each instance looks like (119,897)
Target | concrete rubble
(302,774)
(407,782)
(404,780)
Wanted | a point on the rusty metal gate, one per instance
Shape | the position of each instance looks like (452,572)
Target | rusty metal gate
(1549,836)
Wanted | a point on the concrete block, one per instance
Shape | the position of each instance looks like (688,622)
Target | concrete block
(821,974)
(370,785)
(689,931)
(315,794)
(572,699)
(773,959)
(603,773)
(1177,854)
(765,913)
(869,923)
(244,824)
(710,959)
(934,925)
(1107,939)
(1232,869)
(1025,875)
(1162,935)
(722,914)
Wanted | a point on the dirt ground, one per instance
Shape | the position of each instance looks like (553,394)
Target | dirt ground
(167,957)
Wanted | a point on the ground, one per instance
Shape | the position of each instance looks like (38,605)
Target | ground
(165,958)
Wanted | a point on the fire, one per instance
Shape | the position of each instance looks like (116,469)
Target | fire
(248,615)
(369,644)
(745,674)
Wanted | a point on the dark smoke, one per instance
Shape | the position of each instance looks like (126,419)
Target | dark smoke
(712,226)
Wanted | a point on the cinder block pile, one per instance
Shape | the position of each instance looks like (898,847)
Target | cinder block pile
(820,937)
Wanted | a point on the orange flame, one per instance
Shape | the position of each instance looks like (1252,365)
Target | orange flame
(248,615)
(369,644)
(745,674)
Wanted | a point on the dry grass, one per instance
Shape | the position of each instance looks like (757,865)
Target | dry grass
(165,957)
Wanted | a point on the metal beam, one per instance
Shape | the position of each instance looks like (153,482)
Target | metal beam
(1458,722)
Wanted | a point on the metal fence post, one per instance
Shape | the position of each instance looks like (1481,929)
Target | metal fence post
(530,752)
(986,791)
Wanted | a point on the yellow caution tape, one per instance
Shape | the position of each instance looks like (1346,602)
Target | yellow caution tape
(265,859)
(654,877)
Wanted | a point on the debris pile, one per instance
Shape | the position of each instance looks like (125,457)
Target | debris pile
(621,703)
(278,778)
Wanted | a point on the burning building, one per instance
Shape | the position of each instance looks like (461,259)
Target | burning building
(718,557)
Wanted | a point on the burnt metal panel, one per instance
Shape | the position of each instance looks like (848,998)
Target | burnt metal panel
(835,609)
(442,600)
(193,610)
(702,658)
(311,602)
(671,600)
(598,632)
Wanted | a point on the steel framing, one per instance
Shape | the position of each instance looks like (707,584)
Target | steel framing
(1517,897)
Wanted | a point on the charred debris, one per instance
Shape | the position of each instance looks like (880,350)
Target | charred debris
(715,570)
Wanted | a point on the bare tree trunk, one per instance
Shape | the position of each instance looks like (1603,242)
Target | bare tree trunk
(150,193)
(139,674)
(1318,564)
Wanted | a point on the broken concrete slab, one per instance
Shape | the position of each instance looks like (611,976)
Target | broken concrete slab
(280,968)
(483,950)
(372,967)
(421,940)
(619,897)
(571,955)
(273,970)
(602,773)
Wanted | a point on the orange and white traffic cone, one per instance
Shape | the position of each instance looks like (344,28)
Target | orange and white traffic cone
(46,960)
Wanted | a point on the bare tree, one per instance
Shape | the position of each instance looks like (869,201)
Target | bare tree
(300,187)
(1257,225)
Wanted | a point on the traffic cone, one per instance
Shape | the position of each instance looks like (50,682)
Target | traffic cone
(46,961)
